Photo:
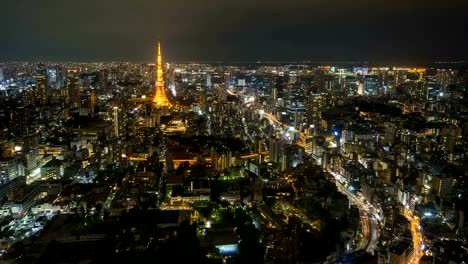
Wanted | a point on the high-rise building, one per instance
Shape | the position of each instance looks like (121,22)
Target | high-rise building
(371,84)
(92,99)
(14,189)
(2,76)
(84,104)
(41,89)
(329,83)
(53,76)
(443,186)
(73,87)
(208,80)
(88,80)
(7,170)
(276,149)
(87,103)
(116,122)
(19,121)
(160,99)
(315,107)
(279,87)
(41,69)
(360,89)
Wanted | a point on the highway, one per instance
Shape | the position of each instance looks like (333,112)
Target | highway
(368,215)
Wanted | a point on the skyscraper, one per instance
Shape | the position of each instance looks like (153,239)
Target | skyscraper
(53,76)
(360,90)
(87,103)
(20,120)
(73,87)
(160,98)
(41,92)
(116,122)
(315,108)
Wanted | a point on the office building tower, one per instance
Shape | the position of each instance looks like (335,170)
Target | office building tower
(20,121)
(88,80)
(116,122)
(360,87)
(87,103)
(7,170)
(41,89)
(371,84)
(73,87)
(53,76)
(315,107)
(92,99)
(329,83)
(208,80)
(276,149)
(41,69)
(84,104)
(279,87)
(443,186)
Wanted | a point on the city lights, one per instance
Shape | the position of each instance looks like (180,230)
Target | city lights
(250,132)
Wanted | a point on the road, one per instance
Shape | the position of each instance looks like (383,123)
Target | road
(272,118)
(369,216)
(417,236)
(301,143)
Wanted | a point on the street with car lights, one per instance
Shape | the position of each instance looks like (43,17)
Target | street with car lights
(417,236)
(369,216)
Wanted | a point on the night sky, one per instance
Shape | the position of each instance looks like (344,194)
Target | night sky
(381,31)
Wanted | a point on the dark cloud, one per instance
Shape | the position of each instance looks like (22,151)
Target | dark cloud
(212,30)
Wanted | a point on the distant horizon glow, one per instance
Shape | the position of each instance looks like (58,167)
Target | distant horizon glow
(236,31)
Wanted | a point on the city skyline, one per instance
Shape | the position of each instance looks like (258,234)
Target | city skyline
(238,132)
(363,164)
(399,32)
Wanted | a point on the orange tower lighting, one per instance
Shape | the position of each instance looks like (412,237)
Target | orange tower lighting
(160,98)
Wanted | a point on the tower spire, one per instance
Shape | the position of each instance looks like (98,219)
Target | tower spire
(160,98)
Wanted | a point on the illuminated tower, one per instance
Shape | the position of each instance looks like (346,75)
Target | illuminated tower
(160,98)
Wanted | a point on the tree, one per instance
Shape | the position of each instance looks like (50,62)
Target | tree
(250,248)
